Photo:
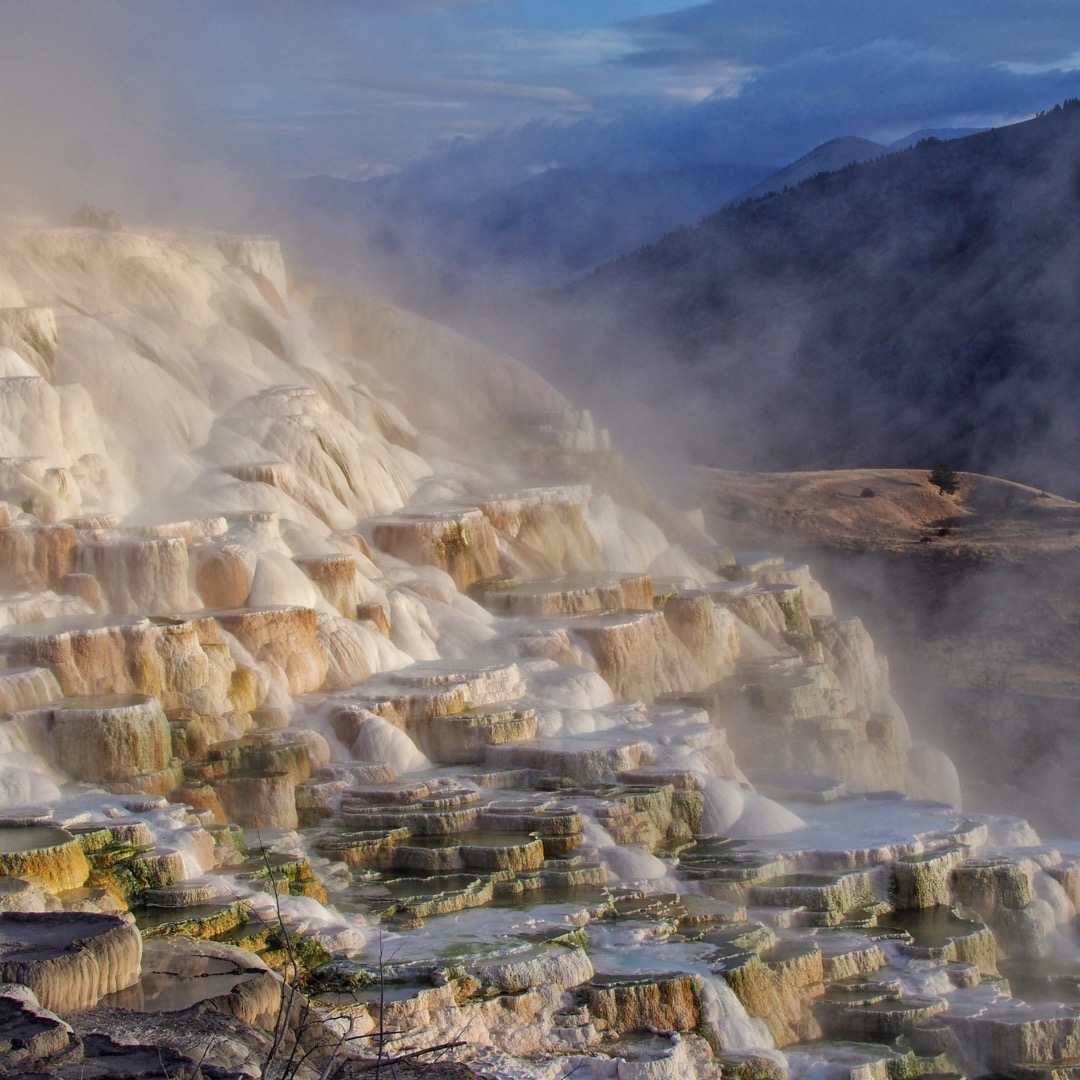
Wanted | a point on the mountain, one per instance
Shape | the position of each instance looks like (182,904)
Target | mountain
(941,134)
(828,157)
(541,229)
(913,308)
(446,226)
(570,219)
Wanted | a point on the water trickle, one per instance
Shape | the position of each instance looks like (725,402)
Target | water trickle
(733,1027)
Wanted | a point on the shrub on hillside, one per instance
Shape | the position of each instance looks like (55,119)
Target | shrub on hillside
(945,479)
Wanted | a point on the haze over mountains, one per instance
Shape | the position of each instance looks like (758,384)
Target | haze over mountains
(845,150)
(544,223)
(921,306)
(541,229)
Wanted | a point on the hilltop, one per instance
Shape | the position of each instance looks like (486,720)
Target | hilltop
(974,595)
(828,157)
(889,510)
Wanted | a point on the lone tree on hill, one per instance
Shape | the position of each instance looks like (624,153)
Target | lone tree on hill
(946,480)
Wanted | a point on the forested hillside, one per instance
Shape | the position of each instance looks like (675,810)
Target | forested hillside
(918,307)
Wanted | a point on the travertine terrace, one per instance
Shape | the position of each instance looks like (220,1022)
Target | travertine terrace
(344,712)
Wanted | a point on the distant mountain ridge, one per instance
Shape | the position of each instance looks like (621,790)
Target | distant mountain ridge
(547,224)
(558,222)
(846,150)
(828,157)
(941,134)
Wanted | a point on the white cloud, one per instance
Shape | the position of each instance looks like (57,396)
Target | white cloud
(776,31)
(1068,63)
(310,87)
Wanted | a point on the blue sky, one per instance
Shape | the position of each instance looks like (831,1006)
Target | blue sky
(358,87)
(353,88)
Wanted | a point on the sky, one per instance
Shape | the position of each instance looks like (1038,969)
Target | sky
(359,88)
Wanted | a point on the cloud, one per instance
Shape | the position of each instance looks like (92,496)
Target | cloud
(469,89)
(775,31)
(367,85)
(884,88)
(771,115)
(92,113)
(724,81)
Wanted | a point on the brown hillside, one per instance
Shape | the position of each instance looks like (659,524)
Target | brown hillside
(975,597)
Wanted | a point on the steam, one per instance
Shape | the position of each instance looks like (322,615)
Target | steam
(100,109)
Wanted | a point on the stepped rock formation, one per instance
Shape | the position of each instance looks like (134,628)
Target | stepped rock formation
(357,699)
